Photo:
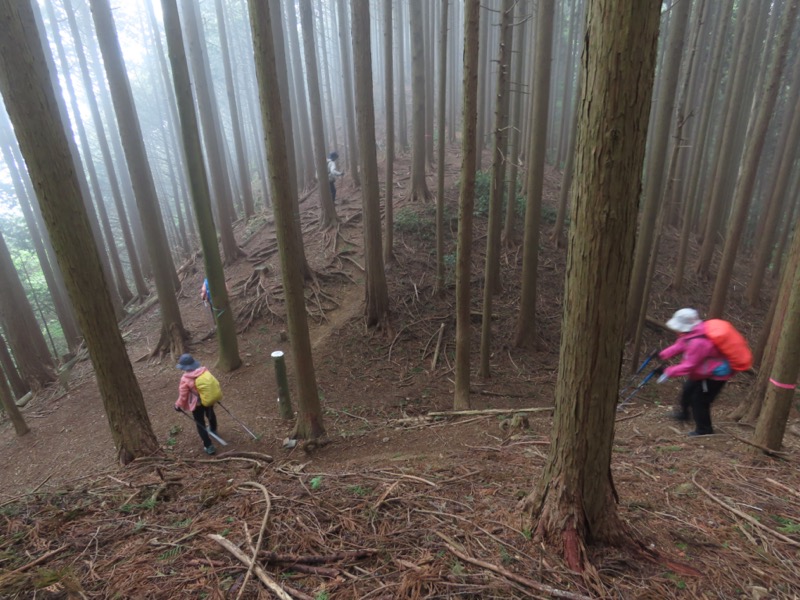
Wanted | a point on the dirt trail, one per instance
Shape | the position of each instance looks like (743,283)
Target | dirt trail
(350,306)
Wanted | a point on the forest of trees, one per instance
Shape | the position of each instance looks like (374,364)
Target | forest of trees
(135,135)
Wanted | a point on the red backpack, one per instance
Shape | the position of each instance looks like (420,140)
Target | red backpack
(730,343)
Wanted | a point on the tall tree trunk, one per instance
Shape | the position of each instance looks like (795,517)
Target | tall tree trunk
(514,146)
(309,416)
(302,118)
(52,275)
(376,307)
(326,208)
(209,116)
(575,501)
(121,289)
(429,36)
(727,147)
(127,236)
(24,335)
(783,167)
(349,104)
(388,239)
(440,142)
(491,278)
(525,335)
(756,136)
(483,78)
(419,186)
(78,164)
(283,89)
(466,203)
(228,359)
(704,129)
(400,30)
(656,159)
(242,160)
(10,406)
(31,100)
(326,70)
(783,377)
(172,332)
(18,385)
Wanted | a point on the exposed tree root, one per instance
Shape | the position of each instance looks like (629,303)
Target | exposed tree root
(172,342)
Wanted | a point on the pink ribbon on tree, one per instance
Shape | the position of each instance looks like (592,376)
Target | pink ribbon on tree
(785,386)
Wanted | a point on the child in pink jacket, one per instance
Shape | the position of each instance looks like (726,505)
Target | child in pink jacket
(703,365)
(189,400)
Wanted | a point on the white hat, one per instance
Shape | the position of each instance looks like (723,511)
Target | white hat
(684,320)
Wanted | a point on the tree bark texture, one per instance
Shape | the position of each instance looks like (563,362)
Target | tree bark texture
(419,186)
(349,103)
(24,335)
(491,277)
(242,161)
(440,169)
(31,102)
(18,386)
(376,307)
(771,424)
(525,335)
(207,109)
(10,407)
(172,332)
(228,354)
(466,204)
(574,500)
(41,241)
(309,416)
(656,160)
(760,117)
(326,208)
(113,180)
(388,239)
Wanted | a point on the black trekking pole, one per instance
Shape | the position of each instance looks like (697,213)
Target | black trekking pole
(658,370)
(255,437)
(211,433)
(647,360)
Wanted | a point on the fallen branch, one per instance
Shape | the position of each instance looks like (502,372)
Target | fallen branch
(529,583)
(488,411)
(257,548)
(745,516)
(764,449)
(322,559)
(784,487)
(384,495)
(260,573)
(438,345)
(23,568)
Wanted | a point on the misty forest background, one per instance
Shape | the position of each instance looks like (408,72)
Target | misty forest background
(138,137)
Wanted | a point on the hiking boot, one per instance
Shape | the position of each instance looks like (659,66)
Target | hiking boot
(679,416)
(696,433)
(210,449)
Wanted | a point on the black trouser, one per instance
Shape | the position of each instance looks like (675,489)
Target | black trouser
(698,395)
(333,190)
(200,413)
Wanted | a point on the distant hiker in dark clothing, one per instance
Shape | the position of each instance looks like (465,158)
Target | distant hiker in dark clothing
(189,400)
(705,367)
(333,173)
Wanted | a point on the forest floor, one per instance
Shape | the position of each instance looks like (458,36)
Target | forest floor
(397,504)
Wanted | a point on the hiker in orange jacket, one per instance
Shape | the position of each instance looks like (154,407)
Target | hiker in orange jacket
(702,363)
(189,400)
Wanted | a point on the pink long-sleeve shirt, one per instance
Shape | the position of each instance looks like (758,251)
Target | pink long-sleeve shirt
(700,356)
(188,396)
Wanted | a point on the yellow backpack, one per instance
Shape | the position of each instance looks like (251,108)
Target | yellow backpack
(208,388)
